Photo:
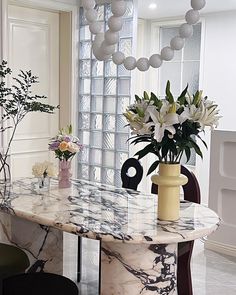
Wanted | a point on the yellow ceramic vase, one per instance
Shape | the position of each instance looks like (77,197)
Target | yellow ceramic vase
(169,181)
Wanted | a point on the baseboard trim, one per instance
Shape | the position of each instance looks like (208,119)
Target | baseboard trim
(220,248)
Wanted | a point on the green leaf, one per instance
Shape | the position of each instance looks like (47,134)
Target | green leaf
(146,96)
(137,98)
(153,167)
(169,95)
(148,149)
(181,99)
(187,151)
(196,148)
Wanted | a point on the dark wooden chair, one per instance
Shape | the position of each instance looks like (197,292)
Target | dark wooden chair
(38,283)
(131,182)
(191,194)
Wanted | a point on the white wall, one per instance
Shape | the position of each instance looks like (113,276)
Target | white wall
(218,79)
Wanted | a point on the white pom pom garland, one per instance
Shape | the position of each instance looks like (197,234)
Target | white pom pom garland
(104,44)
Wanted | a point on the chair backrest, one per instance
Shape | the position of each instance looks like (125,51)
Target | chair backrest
(191,189)
(131,182)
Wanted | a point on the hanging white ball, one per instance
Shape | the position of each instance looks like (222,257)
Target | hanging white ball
(130,63)
(107,49)
(115,23)
(118,58)
(91,15)
(95,27)
(88,4)
(143,64)
(100,55)
(97,43)
(177,43)
(111,38)
(185,31)
(118,8)
(198,4)
(167,53)
(192,17)
(155,61)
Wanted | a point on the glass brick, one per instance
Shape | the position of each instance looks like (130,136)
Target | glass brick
(85,68)
(122,142)
(110,104)
(95,174)
(85,86)
(109,123)
(118,182)
(108,159)
(108,176)
(110,69)
(97,86)
(120,159)
(97,68)
(84,121)
(129,9)
(127,29)
(123,72)
(83,20)
(100,11)
(110,86)
(95,157)
(83,155)
(108,12)
(109,141)
(122,104)
(85,34)
(124,87)
(84,103)
(83,171)
(97,104)
(84,137)
(85,49)
(96,139)
(121,124)
(125,46)
(96,121)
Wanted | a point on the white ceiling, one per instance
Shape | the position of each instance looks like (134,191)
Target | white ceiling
(171,8)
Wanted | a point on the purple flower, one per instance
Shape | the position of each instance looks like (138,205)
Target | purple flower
(67,139)
(54,145)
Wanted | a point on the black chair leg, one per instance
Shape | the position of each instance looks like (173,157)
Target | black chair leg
(79,260)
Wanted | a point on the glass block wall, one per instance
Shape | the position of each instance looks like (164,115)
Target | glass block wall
(104,94)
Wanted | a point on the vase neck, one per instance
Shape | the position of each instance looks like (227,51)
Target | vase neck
(169,169)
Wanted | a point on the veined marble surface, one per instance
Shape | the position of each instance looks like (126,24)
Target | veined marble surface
(104,212)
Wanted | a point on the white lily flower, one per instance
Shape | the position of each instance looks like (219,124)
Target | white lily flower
(163,120)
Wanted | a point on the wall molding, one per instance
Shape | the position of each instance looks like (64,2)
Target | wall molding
(220,248)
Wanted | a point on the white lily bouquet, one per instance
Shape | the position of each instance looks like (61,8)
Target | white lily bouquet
(168,126)
(43,171)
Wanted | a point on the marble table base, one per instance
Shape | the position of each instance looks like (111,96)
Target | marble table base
(133,269)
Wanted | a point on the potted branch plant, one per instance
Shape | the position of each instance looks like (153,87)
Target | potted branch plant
(169,127)
(16,101)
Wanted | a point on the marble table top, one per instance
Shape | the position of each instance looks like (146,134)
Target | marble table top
(103,212)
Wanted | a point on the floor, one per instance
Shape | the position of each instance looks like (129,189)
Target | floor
(212,273)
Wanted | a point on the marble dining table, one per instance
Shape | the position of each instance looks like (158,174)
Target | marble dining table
(138,251)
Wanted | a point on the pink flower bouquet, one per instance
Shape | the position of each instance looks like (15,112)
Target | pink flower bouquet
(65,145)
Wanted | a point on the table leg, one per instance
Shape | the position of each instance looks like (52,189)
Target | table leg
(133,269)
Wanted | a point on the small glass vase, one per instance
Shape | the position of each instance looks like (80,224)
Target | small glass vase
(5,167)
(44,183)
(64,174)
